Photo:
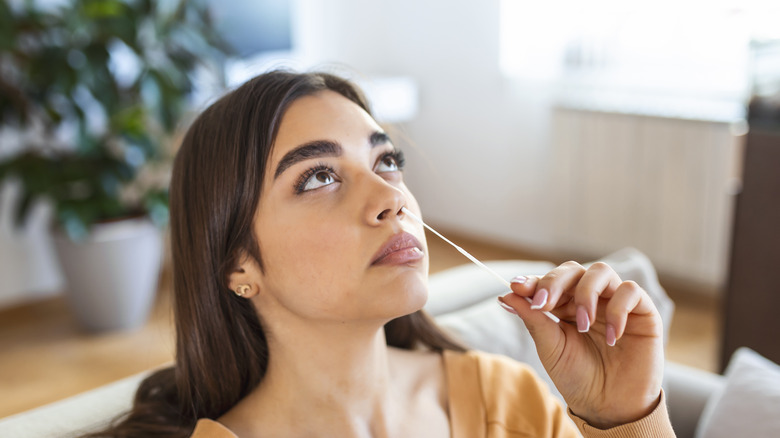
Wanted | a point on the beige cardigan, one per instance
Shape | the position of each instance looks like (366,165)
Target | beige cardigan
(493,396)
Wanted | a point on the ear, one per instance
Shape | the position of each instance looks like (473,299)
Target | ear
(244,278)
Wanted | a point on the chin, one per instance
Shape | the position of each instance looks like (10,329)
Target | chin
(411,295)
(397,292)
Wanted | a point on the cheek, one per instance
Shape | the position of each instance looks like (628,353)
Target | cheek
(316,261)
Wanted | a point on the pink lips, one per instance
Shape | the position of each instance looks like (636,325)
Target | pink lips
(400,249)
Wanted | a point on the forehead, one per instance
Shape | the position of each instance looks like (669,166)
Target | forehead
(325,115)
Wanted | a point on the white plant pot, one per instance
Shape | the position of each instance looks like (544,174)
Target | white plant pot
(112,276)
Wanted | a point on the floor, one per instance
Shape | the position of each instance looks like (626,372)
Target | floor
(44,356)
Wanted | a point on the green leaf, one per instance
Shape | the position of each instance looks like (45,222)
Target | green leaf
(64,57)
(101,9)
(129,121)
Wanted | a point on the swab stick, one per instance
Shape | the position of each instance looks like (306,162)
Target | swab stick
(471,257)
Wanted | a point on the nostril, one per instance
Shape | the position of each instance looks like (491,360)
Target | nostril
(386,213)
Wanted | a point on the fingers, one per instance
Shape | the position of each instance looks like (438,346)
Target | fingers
(628,298)
(522,286)
(599,280)
(527,285)
(539,325)
(547,292)
(578,295)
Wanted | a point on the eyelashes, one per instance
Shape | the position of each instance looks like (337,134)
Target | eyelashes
(308,174)
(397,156)
(324,174)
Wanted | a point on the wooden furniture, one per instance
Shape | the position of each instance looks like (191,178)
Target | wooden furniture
(752,302)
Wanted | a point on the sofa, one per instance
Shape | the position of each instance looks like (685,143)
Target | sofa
(463,301)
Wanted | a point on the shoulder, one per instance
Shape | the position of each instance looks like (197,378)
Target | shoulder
(206,428)
(493,373)
(509,395)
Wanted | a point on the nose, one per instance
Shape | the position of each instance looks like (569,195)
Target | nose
(384,201)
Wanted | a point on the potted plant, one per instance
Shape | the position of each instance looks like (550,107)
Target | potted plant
(95,90)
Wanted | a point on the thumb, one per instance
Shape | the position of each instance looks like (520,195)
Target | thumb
(544,331)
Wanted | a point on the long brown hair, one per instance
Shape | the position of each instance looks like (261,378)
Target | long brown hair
(221,349)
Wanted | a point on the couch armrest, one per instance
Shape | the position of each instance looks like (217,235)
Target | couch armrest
(687,391)
(76,415)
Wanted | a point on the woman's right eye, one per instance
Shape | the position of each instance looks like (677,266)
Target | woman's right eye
(319,179)
(316,178)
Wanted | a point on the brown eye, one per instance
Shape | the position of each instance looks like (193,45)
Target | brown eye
(387,164)
(320,178)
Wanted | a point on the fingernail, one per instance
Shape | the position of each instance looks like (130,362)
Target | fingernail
(506,306)
(583,322)
(540,299)
(519,279)
(611,336)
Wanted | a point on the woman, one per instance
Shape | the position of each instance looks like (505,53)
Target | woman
(298,287)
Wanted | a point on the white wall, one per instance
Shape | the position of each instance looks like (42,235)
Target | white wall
(480,162)
(479,159)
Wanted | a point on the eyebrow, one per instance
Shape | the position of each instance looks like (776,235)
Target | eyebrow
(322,148)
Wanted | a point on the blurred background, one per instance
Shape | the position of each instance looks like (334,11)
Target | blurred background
(554,130)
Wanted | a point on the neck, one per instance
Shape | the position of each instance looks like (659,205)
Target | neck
(340,371)
(354,368)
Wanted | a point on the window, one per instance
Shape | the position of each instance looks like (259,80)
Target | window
(686,48)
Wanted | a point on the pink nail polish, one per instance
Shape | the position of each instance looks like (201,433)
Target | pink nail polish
(540,299)
(583,321)
(506,307)
(611,336)
(519,279)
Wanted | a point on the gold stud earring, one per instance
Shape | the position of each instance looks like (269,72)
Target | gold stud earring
(242,289)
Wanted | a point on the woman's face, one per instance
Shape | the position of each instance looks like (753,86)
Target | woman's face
(334,242)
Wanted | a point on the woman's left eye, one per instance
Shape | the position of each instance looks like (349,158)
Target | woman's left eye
(390,162)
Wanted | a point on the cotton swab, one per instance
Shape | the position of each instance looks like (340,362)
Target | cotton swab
(471,257)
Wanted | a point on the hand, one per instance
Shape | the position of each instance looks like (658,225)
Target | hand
(606,355)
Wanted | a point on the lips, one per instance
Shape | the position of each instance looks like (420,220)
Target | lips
(401,248)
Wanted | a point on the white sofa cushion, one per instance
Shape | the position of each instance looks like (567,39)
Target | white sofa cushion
(74,416)
(749,403)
